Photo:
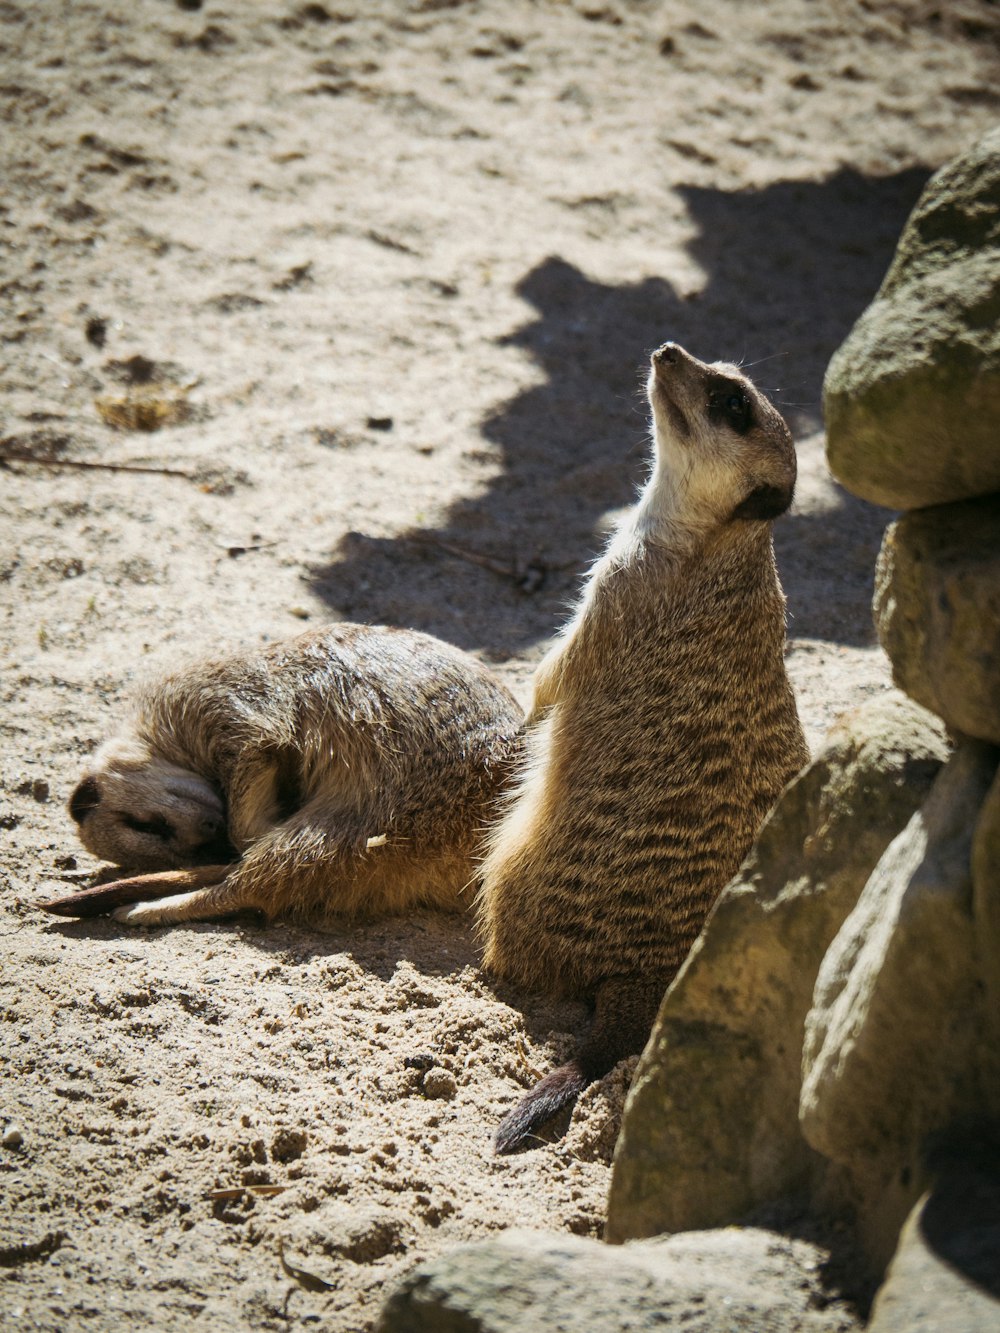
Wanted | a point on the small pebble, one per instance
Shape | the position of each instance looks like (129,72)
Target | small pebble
(13,1135)
(300,612)
(96,330)
(288,1144)
(418,1062)
(439,1084)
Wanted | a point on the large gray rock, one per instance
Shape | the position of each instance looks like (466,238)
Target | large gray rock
(945,1275)
(753,1281)
(937,607)
(711,1124)
(912,398)
(892,1043)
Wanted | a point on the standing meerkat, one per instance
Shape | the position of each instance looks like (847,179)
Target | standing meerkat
(348,772)
(662,730)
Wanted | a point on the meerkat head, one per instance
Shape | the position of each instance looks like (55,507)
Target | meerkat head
(137,809)
(723,453)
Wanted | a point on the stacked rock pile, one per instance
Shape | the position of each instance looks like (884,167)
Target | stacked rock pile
(912,403)
(829,1055)
(835,1034)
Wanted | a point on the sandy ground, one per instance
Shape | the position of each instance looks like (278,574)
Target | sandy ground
(385,275)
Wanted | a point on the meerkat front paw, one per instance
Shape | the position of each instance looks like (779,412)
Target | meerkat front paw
(161,912)
(139,914)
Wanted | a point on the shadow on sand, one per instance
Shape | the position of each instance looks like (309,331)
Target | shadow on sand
(789,268)
(435,946)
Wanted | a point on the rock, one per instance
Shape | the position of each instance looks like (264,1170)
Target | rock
(891,1054)
(440,1083)
(711,1124)
(719,1282)
(946,1271)
(288,1145)
(912,397)
(13,1136)
(937,608)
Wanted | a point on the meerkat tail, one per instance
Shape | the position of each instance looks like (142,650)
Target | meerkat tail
(558,1090)
(623,1015)
(104,898)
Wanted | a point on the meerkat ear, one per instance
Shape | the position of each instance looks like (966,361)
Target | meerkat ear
(764,503)
(87,797)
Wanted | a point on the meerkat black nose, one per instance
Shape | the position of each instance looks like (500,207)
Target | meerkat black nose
(667,355)
(87,797)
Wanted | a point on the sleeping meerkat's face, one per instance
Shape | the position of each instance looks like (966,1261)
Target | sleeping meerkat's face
(138,810)
(725,452)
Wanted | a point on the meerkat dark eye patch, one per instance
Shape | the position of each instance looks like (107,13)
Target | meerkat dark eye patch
(763,504)
(729,404)
(157,827)
(87,797)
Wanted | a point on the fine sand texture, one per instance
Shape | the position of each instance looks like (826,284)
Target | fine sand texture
(342,310)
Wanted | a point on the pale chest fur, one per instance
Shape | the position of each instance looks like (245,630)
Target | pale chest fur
(667,730)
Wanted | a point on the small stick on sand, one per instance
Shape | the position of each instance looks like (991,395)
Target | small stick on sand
(528,575)
(8,455)
(237,1191)
(302,1275)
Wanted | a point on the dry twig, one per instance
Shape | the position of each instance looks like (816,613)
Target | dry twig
(302,1276)
(10,454)
(237,1191)
(528,575)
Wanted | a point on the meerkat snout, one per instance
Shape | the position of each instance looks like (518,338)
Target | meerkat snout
(86,797)
(668,354)
(142,811)
(723,452)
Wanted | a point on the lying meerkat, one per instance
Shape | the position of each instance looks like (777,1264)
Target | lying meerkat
(662,730)
(348,772)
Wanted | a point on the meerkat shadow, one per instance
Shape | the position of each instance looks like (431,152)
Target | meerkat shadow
(410,947)
(102,926)
(435,944)
(788,268)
